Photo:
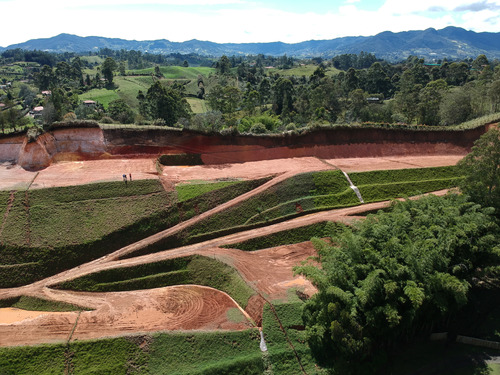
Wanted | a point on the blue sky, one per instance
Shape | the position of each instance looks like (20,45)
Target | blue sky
(238,20)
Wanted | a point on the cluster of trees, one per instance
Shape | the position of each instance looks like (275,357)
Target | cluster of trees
(408,92)
(400,274)
(164,104)
(347,88)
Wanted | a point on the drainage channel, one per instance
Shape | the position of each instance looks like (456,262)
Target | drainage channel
(263,346)
(354,187)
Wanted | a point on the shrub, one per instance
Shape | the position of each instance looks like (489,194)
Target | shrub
(258,128)
(181,159)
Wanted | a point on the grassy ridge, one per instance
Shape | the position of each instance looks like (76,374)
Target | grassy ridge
(287,237)
(282,356)
(197,270)
(295,188)
(54,229)
(401,175)
(188,191)
(308,193)
(159,353)
(38,304)
(388,184)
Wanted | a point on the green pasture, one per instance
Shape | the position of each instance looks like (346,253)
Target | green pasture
(175,72)
(303,70)
(197,105)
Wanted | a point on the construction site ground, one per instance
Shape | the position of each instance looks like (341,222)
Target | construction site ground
(184,307)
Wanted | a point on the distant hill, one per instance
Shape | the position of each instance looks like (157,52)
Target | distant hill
(450,42)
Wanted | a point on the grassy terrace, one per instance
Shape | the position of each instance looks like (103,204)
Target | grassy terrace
(311,192)
(48,230)
(160,353)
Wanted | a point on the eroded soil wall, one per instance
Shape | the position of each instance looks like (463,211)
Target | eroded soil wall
(95,143)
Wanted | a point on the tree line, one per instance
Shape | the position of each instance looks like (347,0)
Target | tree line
(269,94)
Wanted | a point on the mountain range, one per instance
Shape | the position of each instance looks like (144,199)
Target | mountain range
(450,42)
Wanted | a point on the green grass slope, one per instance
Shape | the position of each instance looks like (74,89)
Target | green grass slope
(49,230)
(160,353)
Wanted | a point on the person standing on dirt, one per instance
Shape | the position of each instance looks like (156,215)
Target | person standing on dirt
(130,177)
(125,178)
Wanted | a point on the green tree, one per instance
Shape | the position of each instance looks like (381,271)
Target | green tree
(455,107)
(481,168)
(108,67)
(223,66)
(494,94)
(251,101)
(457,73)
(120,111)
(224,99)
(407,98)
(283,92)
(158,72)
(165,103)
(357,102)
(429,101)
(377,81)
(45,78)
(395,275)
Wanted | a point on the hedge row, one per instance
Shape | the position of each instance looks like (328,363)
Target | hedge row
(181,159)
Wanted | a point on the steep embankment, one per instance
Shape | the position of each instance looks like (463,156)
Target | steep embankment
(73,143)
(324,143)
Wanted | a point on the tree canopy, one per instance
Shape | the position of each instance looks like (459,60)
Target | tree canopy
(164,103)
(395,275)
(482,170)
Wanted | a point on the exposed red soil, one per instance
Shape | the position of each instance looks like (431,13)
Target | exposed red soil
(70,144)
(187,307)
(268,271)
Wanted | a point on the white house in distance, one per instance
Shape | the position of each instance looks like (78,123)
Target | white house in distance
(36,112)
(89,103)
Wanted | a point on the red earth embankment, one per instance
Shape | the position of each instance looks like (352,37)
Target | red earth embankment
(340,142)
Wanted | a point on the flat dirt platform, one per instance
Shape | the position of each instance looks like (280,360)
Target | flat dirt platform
(186,307)
(13,177)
